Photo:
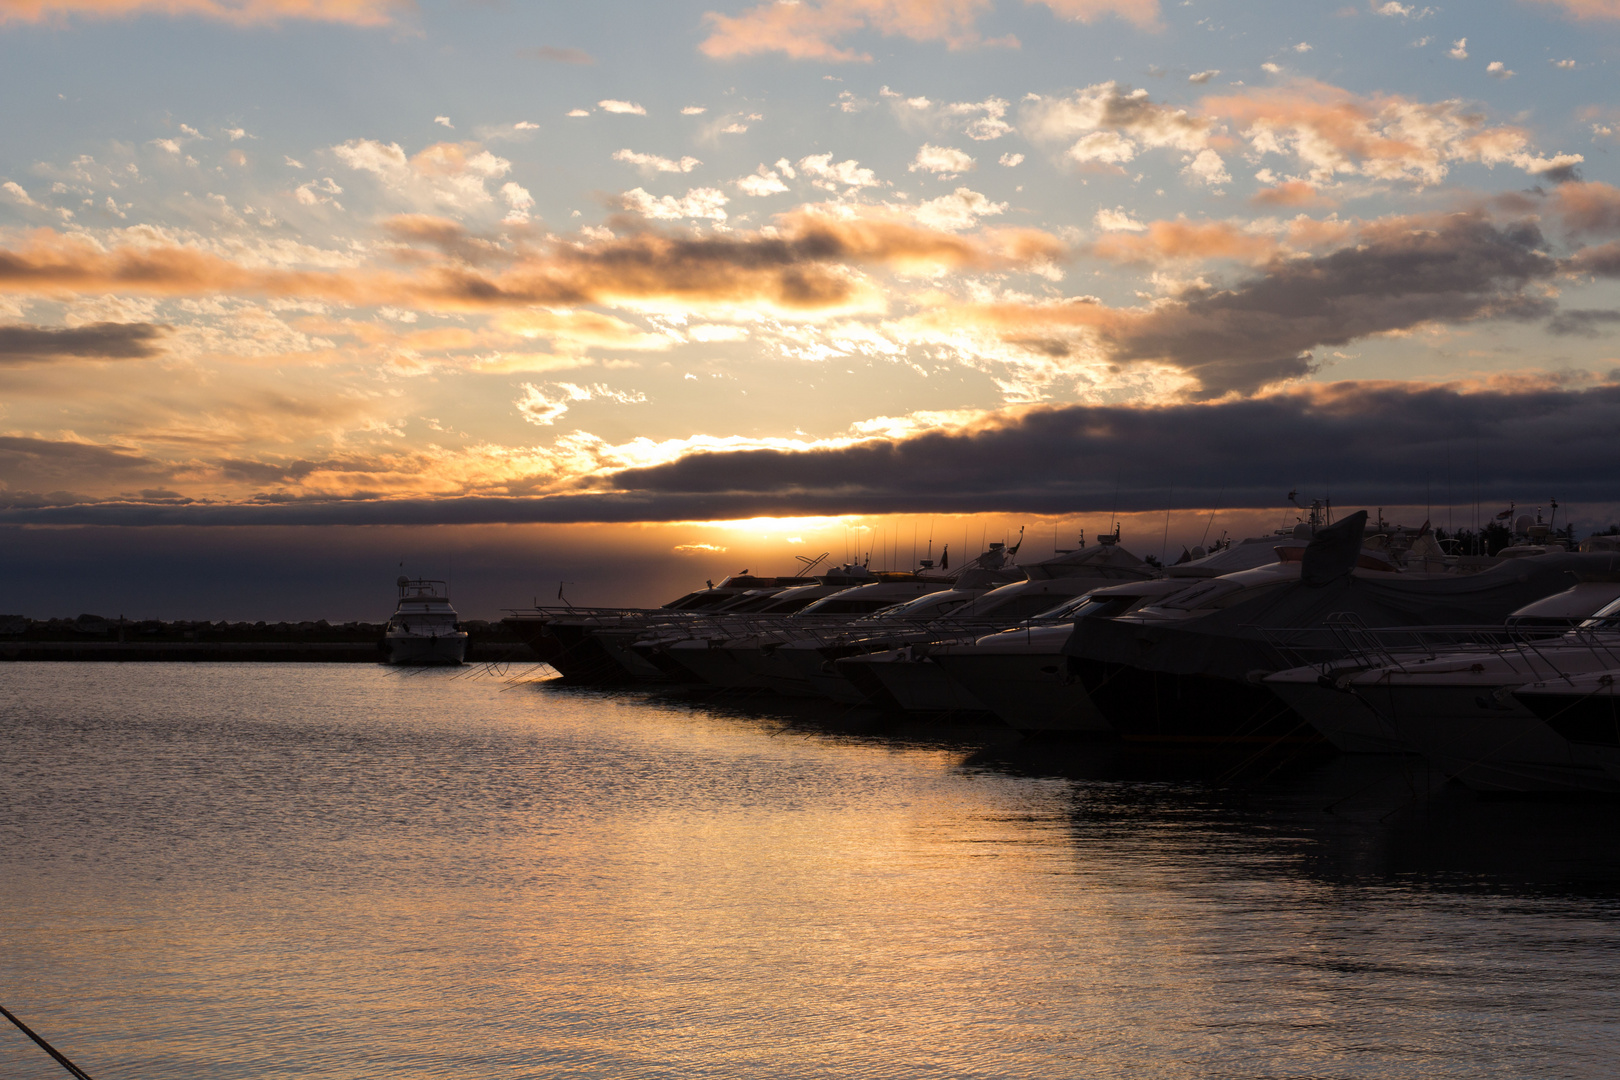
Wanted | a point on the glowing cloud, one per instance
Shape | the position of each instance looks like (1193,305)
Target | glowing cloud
(242,12)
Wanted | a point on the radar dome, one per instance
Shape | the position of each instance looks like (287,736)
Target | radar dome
(1522,525)
(403,581)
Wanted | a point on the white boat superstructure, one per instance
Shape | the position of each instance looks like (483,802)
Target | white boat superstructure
(424,629)
(1021,673)
(1460,706)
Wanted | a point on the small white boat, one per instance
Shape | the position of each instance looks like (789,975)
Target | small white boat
(424,630)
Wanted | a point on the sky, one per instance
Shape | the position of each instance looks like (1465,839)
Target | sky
(623,294)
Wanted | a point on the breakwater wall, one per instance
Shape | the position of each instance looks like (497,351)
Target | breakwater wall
(92,637)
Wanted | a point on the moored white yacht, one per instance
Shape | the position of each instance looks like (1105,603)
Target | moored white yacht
(424,630)
(1021,674)
(1468,708)
(1585,711)
(905,676)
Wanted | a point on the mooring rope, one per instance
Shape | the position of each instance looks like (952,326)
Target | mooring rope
(61,1059)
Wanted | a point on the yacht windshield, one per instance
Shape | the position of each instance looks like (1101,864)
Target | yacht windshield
(1606,617)
(1017,608)
(1092,607)
(931,605)
(1219,593)
(832,605)
(751,601)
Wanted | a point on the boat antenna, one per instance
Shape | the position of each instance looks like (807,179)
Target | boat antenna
(1119,474)
(1211,522)
(560,595)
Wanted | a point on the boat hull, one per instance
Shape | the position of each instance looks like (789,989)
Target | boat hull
(1030,692)
(1590,721)
(572,649)
(907,685)
(1342,718)
(409,650)
(1161,706)
(1483,737)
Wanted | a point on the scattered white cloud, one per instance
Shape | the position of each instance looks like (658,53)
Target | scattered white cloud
(1498,70)
(236,133)
(1011,160)
(444,120)
(1103,147)
(712,332)
(546,405)
(1271,69)
(961,209)
(537,407)
(319,192)
(1459,49)
(694,110)
(1207,166)
(944,160)
(829,177)
(518,201)
(525,125)
(848,102)
(1303,47)
(761,183)
(168,145)
(1203,76)
(449,174)
(1396,10)
(984,118)
(654,163)
(293,162)
(577,113)
(1117,220)
(707,203)
(17,193)
(629,108)
(1566,65)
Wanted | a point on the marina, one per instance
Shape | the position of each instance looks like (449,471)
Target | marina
(1333,800)
(809,539)
(1342,636)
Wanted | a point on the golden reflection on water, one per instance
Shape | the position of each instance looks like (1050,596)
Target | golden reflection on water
(222,871)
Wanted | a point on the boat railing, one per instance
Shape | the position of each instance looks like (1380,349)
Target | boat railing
(667,626)
(824,630)
(1344,640)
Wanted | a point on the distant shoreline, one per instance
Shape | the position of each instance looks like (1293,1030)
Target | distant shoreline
(340,652)
(96,638)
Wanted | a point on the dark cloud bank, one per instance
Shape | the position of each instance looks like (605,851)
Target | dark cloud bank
(102,341)
(1264,329)
(1360,444)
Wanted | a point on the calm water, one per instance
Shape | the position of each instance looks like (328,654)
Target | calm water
(334,871)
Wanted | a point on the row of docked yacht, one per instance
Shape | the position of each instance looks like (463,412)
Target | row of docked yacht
(1498,669)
